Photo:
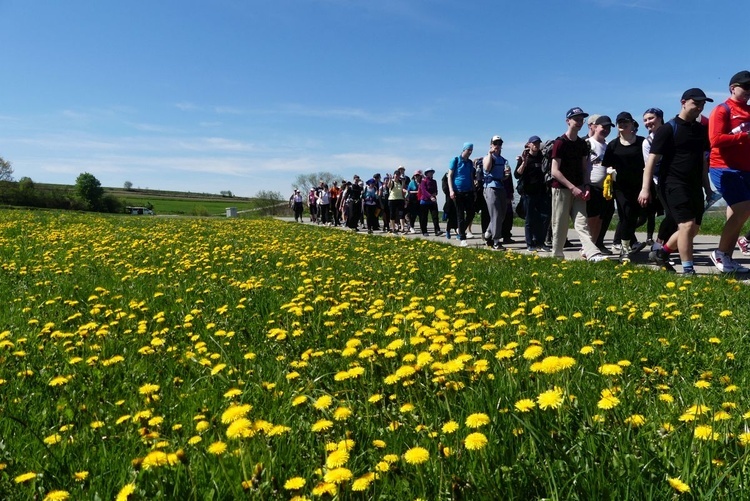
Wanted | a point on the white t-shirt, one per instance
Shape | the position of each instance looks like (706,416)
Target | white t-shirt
(598,173)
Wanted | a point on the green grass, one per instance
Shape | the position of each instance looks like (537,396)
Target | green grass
(407,335)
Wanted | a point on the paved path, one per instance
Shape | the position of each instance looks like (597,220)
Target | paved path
(703,246)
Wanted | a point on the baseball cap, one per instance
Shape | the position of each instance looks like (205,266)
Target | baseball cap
(534,139)
(593,118)
(429,170)
(696,95)
(575,112)
(603,120)
(743,77)
(417,172)
(496,138)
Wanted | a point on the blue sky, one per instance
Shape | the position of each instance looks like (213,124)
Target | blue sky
(245,95)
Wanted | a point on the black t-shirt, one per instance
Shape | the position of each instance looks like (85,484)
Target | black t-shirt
(571,154)
(683,151)
(627,160)
(532,178)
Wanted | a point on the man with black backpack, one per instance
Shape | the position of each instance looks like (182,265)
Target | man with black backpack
(570,188)
(534,193)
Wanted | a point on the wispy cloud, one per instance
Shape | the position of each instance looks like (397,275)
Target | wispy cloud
(346,113)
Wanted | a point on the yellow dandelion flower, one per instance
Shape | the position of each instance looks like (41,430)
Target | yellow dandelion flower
(148,389)
(125,492)
(235,412)
(416,455)
(57,496)
(24,477)
(217,448)
(323,402)
(58,381)
(379,444)
(52,439)
(337,458)
(321,425)
(382,466)
(154,459)
(299,400)
(635,421)
(450,427)
(294,483)
(338,475)
(324,488)
(610,370)
(550,399)
(721,416)
(678,485)
(342,413)
(608,402)
(232,393)
(375,398)
(744,439)
(240,428)
(702,384)
(477,420)
(666,397)
(363,482)
(525,405)
(705,432)
(475,441)
(586,350)
(97,424)
(532,352)
(80,476)
(725,313)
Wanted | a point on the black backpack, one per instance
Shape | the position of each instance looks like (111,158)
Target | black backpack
(547,160)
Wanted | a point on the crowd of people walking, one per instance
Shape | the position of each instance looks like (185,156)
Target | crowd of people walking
(585,179)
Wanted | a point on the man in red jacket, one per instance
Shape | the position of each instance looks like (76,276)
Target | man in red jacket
(728,129)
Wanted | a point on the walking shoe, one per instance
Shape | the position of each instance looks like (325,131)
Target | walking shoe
(661,258)
(604,250)
(464,243)
(508,240)
(637,247)
(531,248)
(689,273)
(425,235)
(616,248)
(596,258)
(497,246)
(438,233)
(545,248)
(726,264)
(744,245)
(412,231)
(650,241)
(469,234)
(568,243)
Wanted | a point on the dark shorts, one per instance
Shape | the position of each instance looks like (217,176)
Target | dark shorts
(396,209)
(596,205)
(684,202)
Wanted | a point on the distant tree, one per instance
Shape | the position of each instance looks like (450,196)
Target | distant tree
(26,184)
(128,185)
(6,170)
(112,204)
(272,196)
(306,181)
(89,190)
(226,193)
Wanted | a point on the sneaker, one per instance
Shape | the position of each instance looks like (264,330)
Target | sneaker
(464,243)
(616,248)
(597,258)
(508,241)
(425,235)
(438,233)
(637,247)
(726,264)
(744,245)
(469,234)
(531,248)
(604,250)
(412,231)
(568,243)
(661,258)
(545,248)
(497,246)
(689,273)
(650,241)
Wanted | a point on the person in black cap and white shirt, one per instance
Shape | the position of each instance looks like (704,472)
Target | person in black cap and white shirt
(681,145)
(729,132)
(496,169)
(536,199)
(570,188)
(598,209)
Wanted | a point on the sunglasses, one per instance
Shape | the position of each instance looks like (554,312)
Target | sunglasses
(497,143)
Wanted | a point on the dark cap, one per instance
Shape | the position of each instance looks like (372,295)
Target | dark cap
(603,120)
(696,95)
(624,116)
(743,77)
(575,112)
(534,139)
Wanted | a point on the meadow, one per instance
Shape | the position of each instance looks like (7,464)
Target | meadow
(155,358)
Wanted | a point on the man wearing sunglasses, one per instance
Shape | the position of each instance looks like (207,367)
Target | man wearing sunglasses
(728,129)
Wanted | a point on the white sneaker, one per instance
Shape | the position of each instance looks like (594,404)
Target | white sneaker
(469,234)
(597,258)
(411,231)
(726,264)
(464,243)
